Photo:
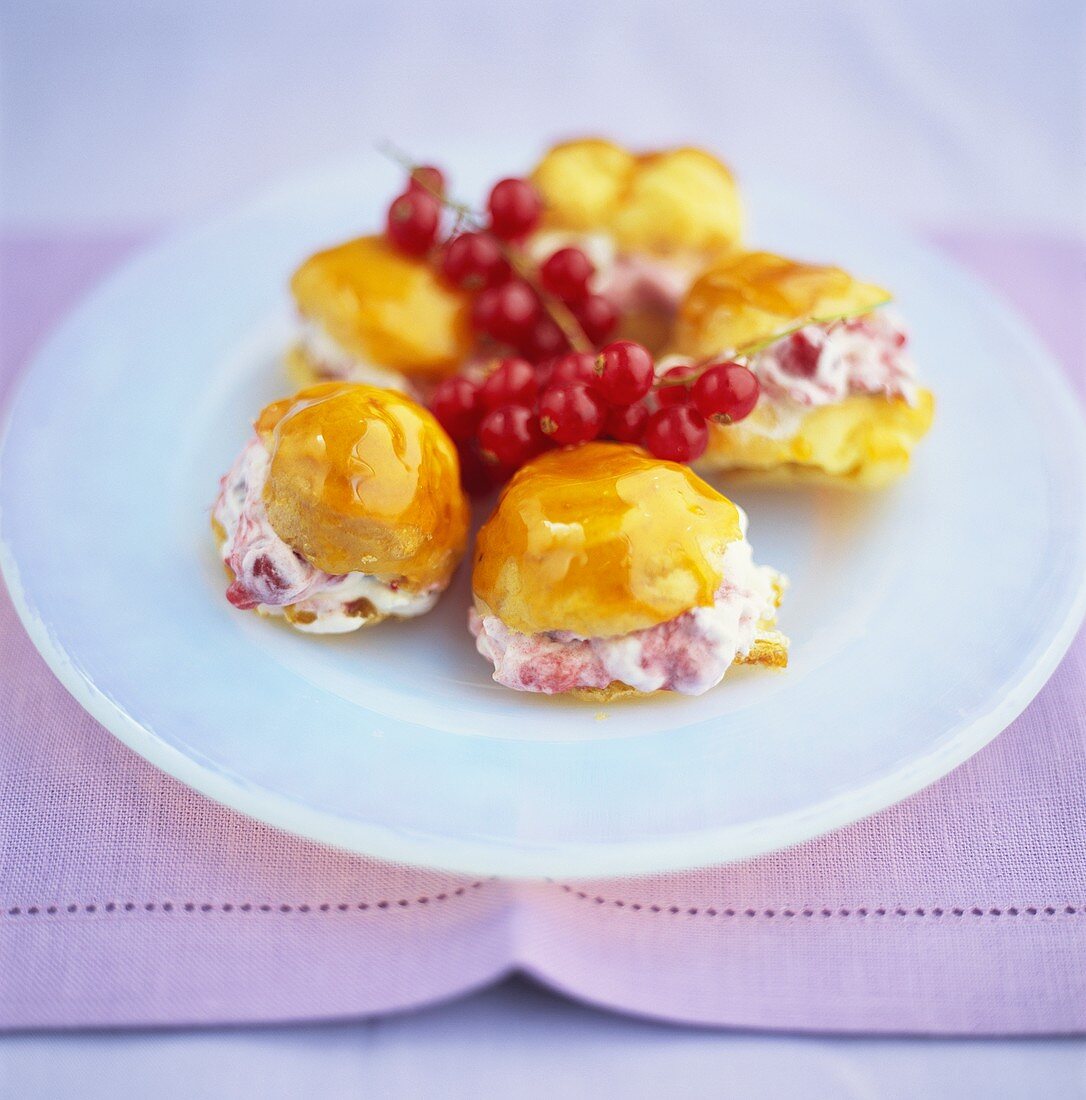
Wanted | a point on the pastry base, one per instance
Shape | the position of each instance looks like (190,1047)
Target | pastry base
(770,650)
(790,475)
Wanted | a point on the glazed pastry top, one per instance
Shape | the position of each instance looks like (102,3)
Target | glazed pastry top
(364,480)
(602,539)
(678,200)
(753,296)
(384,307)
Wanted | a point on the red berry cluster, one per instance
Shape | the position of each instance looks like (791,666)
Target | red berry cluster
(516,411)
(513,305)
(548,394)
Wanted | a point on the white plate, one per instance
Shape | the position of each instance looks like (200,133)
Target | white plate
(923,619)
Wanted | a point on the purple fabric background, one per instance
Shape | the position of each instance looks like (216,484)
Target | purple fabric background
(127,899)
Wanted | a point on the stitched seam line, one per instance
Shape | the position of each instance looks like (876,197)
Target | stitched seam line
(633,906)
(811,912)
(234,907)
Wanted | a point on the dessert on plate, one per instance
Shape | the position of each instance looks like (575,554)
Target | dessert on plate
(839,400)
(372,312)
(649,222)
(343,509)
(606,572)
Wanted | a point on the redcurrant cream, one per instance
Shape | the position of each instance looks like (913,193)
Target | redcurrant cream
(822,364)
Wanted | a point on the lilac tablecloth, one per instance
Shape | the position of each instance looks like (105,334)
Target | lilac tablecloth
(128,899)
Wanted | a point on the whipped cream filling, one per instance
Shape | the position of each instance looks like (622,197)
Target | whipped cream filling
(822,364)
(333,362)
(688,654)
(270,577)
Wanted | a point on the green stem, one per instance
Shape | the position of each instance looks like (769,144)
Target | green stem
(744,351)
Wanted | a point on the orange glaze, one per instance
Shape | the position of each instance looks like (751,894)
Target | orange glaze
(751,296)
(364,480)
(385,308)
(600,540)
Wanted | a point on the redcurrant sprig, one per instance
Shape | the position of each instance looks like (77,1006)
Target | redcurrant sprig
(484,255)
(516,410)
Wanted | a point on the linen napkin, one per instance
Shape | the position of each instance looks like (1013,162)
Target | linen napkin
(127,899)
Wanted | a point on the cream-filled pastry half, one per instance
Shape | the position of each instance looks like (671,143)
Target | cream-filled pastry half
(650,222)
(343,509)
(605,572)
(840,401)
(371,314)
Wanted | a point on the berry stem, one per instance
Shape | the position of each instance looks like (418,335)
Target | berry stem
(559,312)
(828,319)
(463,212)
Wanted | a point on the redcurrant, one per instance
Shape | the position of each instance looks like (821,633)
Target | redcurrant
(624,372)
(429,179)
(626,423)
(801,352)
(576,366)
(571,413)
(482,310)
(509,436)
(472,261)
(515,208)
(597,316)
(512,382)
(413,220)
(507,312)
(456,406)
(476,476)
(679,433)
(544,340)
(725,392)
(565,274)
(667,396)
